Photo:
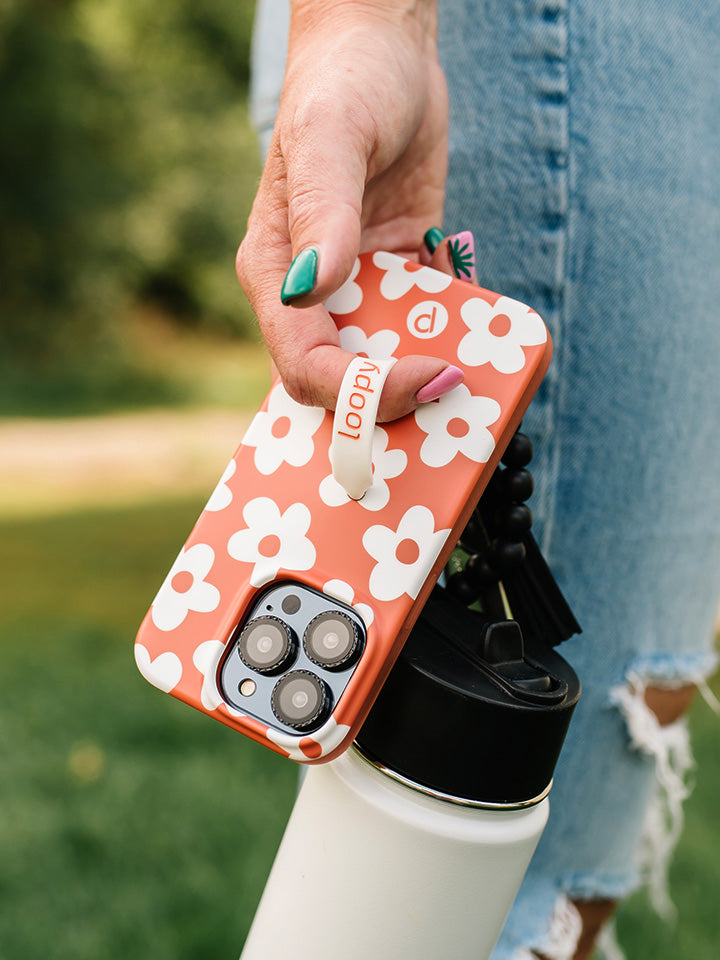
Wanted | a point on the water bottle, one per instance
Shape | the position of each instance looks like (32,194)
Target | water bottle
(414,842)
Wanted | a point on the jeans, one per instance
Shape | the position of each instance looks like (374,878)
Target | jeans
(583,154)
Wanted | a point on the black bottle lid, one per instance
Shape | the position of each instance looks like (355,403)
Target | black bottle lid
(470,709)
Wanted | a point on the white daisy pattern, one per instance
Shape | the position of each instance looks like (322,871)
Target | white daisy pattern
(283,433)
(164,672)
(185,588)
(221,496)
(205,659)
(272,539)
(457,423)
(404,556)
(330,735)
(387,464)
(380,345)
(498,333)
(344,592)
(348,297)
(401,276)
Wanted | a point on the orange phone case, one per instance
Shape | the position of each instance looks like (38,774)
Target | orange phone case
(279,516)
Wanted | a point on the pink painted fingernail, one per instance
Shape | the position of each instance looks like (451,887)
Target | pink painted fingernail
(440,385)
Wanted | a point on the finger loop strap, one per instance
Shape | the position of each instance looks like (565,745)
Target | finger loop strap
(354,424)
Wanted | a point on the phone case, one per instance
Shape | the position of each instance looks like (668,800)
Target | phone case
(278,520)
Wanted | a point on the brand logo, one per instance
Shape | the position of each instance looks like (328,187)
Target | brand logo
(364,385)
(427,319)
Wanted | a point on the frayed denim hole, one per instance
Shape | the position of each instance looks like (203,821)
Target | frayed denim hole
(669,747)
(562,937)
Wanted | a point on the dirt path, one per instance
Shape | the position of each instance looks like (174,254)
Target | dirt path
(51,466)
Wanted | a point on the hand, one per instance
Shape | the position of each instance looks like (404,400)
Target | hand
(357,162)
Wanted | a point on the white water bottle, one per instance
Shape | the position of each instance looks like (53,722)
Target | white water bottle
(413,844)
(369,868)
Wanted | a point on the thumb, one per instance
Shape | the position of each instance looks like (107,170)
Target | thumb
(326,172)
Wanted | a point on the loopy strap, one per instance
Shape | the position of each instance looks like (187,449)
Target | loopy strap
(355,416)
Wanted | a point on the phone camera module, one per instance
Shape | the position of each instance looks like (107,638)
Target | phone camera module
(267,645)
(301,700)
(332,640)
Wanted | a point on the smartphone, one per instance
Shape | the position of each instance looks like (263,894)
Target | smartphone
(289,602)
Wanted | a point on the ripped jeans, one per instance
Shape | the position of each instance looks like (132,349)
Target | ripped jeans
(583,154)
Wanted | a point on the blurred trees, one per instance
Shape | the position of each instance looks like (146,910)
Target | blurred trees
(126,170)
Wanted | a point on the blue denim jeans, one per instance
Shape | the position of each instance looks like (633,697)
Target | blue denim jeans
(584,153)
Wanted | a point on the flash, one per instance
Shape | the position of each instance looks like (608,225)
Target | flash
(247,688)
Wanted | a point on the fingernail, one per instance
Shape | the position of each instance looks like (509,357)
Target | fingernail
(432,238)
(300,278)
(462,255)
(440,385)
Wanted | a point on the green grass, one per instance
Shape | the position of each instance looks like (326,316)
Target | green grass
(133,826)
(695,935)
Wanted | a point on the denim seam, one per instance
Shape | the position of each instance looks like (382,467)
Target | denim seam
(556,12)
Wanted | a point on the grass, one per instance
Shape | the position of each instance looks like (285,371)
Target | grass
(694,871)
(134,826)
(131,825)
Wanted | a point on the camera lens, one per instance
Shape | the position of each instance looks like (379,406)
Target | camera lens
(266,645)
(332,640)
(300,699)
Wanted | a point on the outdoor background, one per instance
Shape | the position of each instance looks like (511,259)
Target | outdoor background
(130,825)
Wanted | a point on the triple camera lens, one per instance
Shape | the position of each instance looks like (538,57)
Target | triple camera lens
(300,699)
(295,682)
(267,645)
(332,640)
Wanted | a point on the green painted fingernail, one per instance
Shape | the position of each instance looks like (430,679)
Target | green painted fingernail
(433,238)
(300,278)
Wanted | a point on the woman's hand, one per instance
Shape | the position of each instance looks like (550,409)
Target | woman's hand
(357,162)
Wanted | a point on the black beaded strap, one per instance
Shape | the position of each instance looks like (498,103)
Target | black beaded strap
(503,570)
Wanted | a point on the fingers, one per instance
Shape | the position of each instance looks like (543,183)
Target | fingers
(304,234)
(305,345)
(441,259)
(302,240)
(326,175)
(304,229)
(454,255)
(432,241)
(415,380)
(312,366)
